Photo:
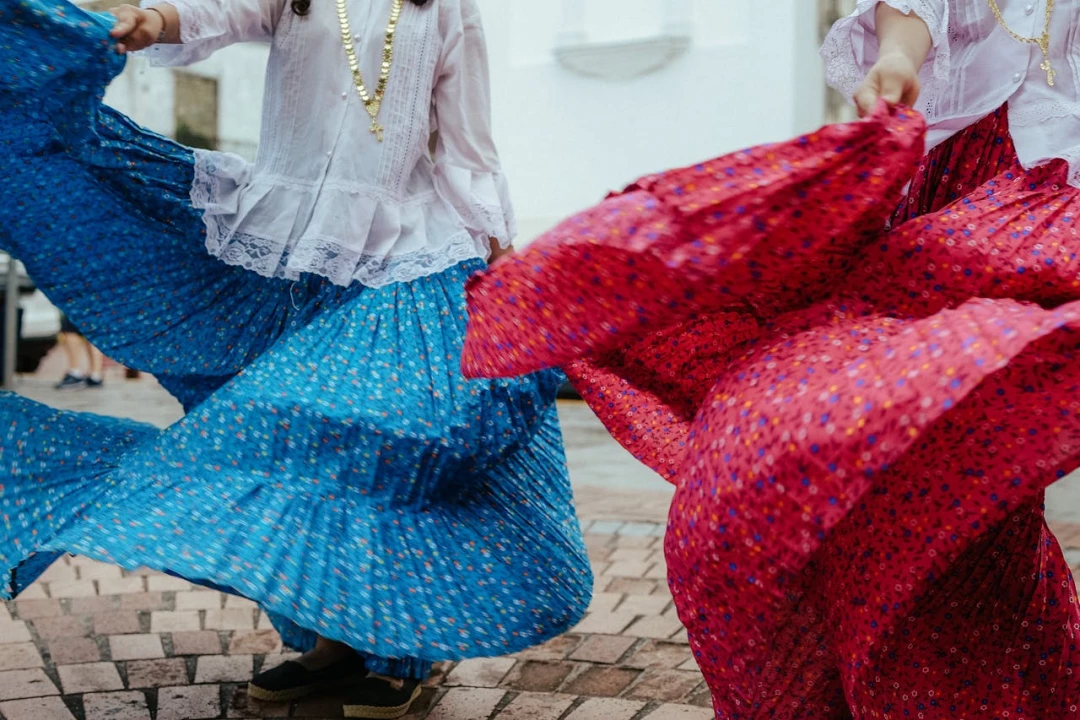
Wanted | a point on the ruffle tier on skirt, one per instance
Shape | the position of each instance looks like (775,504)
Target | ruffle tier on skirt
(334,465)
(857,529)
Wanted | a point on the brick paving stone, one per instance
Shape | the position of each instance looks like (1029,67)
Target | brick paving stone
(14,631)
(628,569)
(536,676)
(605,623)
(122,585)
(230,620)
(600,569)
(658,572)
(136,647)
(606,649)
(691,664)
(645,604)
(98,605)
(73,651)
(59,571)
(480,672)
(121,622)
(557,648)
(263,623)
(637,542)
(535,706)
(599,554)
(224,668)
(46,708)
(72,589)
(89,677)
(631,586)
(641,555)
(606,527)
(166,583)
(605,601)
(254,642)
(19,684)
(1068,535)
(601,681)
(599,542)
(95,570)
(143,601)
(116,706)
(661,654)
(35,609)
(157,673)
(34,592)
(677,712)
(467,704)
(702,697)
(235,602)
(50,628)
(665,685)
(191,600)
(194,702)
(680,637)
(196,643)
(20,656)
(658,627)
(632,529)
(606,709)
(164,621)
(5,611)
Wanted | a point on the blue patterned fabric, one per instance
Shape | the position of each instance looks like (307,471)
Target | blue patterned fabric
(334,465)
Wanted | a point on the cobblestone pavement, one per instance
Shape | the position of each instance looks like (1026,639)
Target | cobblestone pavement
(92,642)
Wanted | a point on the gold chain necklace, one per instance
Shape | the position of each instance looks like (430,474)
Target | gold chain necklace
(372,104)
(1043,41)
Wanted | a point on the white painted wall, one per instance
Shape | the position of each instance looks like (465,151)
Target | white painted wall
(751,75)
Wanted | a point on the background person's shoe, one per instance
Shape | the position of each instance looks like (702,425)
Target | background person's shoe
(71,382)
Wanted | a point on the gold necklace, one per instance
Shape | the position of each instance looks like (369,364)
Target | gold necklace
(1043,41)
(372,104)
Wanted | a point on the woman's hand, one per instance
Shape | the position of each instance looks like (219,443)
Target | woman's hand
(498,252)
(894,78)
(904,43)
(136,29)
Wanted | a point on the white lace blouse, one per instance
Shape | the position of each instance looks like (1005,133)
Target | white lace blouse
(323,195)
(975,67)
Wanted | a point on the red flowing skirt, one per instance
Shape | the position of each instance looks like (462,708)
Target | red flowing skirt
(857,529)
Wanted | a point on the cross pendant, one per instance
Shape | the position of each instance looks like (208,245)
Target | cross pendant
(378,129)
(1050,72)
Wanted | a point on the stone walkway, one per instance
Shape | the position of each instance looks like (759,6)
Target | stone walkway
(91,642)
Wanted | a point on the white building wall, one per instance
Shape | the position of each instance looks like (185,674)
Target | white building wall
(750,75)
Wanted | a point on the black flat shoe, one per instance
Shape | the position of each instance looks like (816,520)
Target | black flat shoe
(292,681)
(378,699)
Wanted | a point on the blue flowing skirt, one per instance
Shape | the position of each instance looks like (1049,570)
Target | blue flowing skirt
(334,465)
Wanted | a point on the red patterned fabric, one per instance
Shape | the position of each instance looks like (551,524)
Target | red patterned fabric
(857,529)
(726,233)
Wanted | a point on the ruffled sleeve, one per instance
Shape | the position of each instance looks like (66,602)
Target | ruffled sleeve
(206,26)
(851,47)
(467,170)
